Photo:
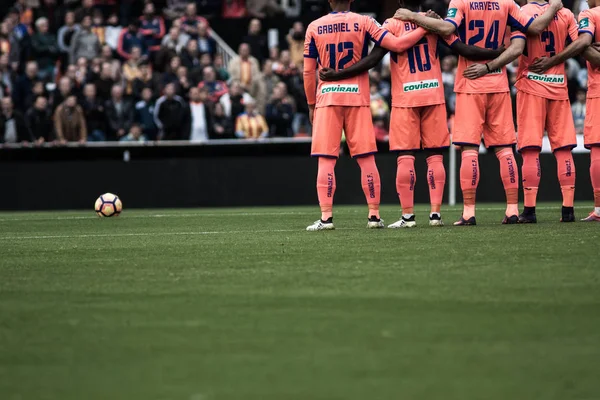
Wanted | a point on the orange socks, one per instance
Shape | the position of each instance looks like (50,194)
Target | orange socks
(595,174)
(532,173)
(510,180)
(371,183)
(436,177)
(405,183)
(566,175)
(469,179)
(326,186)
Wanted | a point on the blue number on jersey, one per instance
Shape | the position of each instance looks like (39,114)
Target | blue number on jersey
(548,38)
(414,57)
(491,40)
(331,48)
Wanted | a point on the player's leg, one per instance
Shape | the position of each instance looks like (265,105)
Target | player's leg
(405,140)
(470,118)
(563,138)
(327,133)
(435,138)
(531,114)
(360,137)
(591,135)
(499,134)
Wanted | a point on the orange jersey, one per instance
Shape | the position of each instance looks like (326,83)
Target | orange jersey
(483,24)
(552,84)
(589,23)
(416,73)
(339,40)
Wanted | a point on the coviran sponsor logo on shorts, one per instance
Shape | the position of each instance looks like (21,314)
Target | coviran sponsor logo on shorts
(421,85)
(339,89)
(555,79)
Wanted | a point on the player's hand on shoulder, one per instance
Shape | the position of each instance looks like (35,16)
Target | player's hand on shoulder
(557,4)
(475,71)
(596,46)
(403,14)
(432,14)
(327,74)
(540,65)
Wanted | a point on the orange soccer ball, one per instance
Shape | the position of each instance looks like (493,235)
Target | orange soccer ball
(108,205)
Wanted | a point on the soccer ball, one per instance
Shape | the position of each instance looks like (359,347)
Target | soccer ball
(108,205)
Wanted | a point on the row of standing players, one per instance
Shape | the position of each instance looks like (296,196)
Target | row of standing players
(540,33)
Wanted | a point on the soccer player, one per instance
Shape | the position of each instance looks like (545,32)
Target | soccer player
(337,41)
(543,105)
(418,118)
(589,31)
(483,102)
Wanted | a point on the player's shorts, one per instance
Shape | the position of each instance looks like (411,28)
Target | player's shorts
(357,124)
(417,128)
(536,114)
(591,127)
(487,114)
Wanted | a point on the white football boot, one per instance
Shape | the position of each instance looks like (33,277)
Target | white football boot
(321,226)
(404,223)
(375,223)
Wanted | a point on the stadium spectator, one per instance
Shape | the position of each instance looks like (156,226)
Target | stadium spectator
(175,40)
(191,21)
(132,70)
(39,121)
(7,75)
(12,124)
(69,122)
(85,43)
(95,115)
(119,114)
(65,37)
(274,54)
(19,39)
(206,44)
(183,82)
(105,82)
(222,73)
(44,49)
(222,125)
(286,69)
(295,41)
(152,27)
(234,9)
(86,10)
(245,69)
(233,101)
(144,114)
(257,40)
(215,88)
(578,109)
(250,124)
(147,79)
(263,8)
(23,91)
(25,13)
(64,90)
(269,77)
(112,31)
(190,55)
(170,75)
(381,133)
(175,9)
(279,114)
(172,115)
(201,125)
(135,135)
(53,12)
(98,27)
(379,108)
(130,38)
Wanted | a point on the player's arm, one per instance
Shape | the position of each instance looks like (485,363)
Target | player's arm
(516,48)
(310,72)
(540,23)
(374,57)
(472,53)
(402,43)
(575,48)
(592,54)
(439,26)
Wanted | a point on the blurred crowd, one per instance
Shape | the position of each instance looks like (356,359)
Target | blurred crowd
(139,70)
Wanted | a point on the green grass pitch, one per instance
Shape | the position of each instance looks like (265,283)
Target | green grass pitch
(244,304)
